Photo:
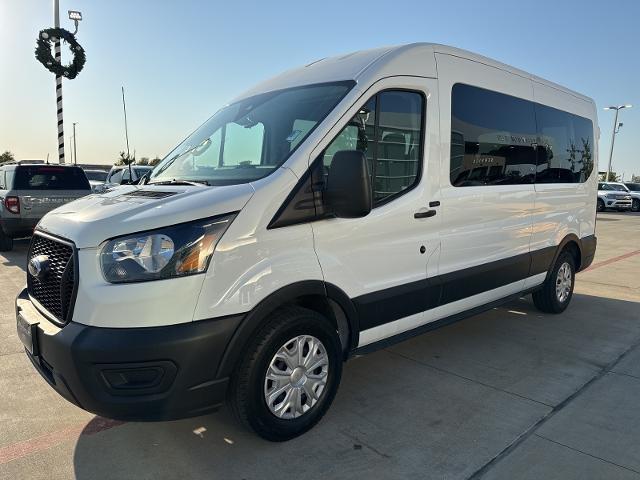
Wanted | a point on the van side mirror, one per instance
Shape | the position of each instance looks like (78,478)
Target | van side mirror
(348,192)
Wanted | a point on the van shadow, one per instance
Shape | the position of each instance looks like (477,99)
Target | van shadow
(445,402)
(18,256)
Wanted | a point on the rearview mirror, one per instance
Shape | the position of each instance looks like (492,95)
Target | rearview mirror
(348,191)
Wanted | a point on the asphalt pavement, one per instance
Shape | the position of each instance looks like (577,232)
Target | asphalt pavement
(511,393)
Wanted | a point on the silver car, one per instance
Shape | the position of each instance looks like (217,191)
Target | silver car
(613,195)
(29,191)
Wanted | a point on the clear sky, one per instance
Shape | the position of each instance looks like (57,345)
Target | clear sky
(179,61)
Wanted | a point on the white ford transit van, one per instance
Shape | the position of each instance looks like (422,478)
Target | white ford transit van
(337,208)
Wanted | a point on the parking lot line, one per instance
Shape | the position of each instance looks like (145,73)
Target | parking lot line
(612,260)
(43,442)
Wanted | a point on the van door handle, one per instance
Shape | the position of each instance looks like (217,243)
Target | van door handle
(424,214)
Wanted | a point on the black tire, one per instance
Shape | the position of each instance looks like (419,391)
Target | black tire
(600,207)
(6,242)
(546,299)
(635,206)
(247,389)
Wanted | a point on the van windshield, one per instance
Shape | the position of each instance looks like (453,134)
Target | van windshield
(249,139)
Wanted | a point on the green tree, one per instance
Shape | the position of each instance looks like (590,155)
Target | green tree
(126,159)
(613,177)
(143,161)
(7,156)
(154,161)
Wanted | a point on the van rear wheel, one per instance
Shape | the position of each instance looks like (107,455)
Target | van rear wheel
(557,290)
(288,376)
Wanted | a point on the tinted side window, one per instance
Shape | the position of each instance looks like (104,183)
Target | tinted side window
(388,129)
(3,185)
(492,138)
(565,146)
(582,152)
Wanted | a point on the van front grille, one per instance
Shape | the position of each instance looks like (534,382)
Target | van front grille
(54,285)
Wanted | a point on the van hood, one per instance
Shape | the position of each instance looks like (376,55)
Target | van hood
(93,219)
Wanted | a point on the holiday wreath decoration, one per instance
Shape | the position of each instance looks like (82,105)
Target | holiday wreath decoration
(44,56)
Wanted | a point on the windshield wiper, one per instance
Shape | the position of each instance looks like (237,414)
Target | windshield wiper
(175,181)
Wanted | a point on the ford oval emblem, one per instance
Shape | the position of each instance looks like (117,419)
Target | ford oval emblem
(39,267)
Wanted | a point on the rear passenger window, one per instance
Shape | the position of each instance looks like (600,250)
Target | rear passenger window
(497,139)
(565,146)
(388,129)
(492,138)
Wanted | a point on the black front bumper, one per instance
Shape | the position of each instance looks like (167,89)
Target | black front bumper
(155,373)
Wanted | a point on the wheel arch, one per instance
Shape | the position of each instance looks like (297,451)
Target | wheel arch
(573,244)
(324,298)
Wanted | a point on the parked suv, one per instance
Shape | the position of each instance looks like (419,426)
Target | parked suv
(613,195)
(29,191)
(634,191)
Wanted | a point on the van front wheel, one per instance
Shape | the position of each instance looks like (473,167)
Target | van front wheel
(557,290)
(288,376)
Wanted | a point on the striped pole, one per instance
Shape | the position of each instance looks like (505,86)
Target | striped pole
(58,55)
(59,106)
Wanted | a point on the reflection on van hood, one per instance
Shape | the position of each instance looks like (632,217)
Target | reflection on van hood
(93,219)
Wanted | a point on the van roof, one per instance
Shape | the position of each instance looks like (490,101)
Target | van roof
(415,59)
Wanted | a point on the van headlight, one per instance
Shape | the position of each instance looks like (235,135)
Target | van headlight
(173,251)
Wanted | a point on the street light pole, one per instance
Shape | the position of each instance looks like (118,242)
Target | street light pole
(75,152)
(613,135)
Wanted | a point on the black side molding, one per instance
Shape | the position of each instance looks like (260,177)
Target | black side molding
(387,342)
